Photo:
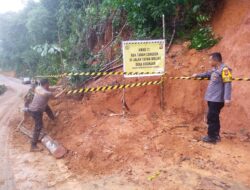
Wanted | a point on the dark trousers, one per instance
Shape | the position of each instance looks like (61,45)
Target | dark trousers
(213,118)
(38,118)
(49,112)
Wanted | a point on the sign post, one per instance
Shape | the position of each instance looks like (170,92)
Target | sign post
(162,84)
(145,58)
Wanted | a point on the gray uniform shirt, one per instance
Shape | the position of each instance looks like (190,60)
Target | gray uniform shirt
(40,100)
(217,91)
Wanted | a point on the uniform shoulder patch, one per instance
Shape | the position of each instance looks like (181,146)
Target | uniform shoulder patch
(226,75)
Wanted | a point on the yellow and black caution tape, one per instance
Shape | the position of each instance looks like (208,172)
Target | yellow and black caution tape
(51,76)
(101,74)
(132,73)
(113,87)
(154,176)
(188,78)
(241,79)
(199,78)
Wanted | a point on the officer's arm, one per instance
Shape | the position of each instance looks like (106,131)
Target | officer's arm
(204,75)
(227,91)
(59,94)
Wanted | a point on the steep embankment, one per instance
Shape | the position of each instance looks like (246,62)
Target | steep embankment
(95,133)
(102,141)
(232,23)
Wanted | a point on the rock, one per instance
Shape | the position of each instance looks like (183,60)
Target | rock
(146,147)
(184,158)
(89,155)
(192,51)
(129,172)
(78,143)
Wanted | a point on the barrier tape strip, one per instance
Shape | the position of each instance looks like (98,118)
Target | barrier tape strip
(241,79)
(101,74)
(113,87)
(187,78)
(131,73)
(198,78)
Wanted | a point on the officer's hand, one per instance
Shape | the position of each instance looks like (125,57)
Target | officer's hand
(227,103)
(59,94)
(194,75)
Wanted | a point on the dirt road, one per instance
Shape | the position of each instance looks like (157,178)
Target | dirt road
(20,169)
(10,101)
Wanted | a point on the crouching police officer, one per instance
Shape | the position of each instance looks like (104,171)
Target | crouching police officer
(218,94)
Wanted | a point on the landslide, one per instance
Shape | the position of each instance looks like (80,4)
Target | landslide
(232,23)
(100,139)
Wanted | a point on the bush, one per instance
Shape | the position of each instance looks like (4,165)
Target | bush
(145,16)
(203,38)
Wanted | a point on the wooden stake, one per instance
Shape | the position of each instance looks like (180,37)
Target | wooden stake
(162,79)
(123,99)
(61,58)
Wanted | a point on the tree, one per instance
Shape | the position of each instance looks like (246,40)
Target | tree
(41,26)
(69,25)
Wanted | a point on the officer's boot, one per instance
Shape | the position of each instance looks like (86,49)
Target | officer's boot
(208,139)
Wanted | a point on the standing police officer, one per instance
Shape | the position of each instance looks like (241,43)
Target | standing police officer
(218,93)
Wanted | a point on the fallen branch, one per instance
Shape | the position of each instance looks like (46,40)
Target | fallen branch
(114,68)
(97,77)
(108,70)
(172,37)
(113,39)
(107,65)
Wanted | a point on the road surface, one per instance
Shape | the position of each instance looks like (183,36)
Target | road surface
(21,169)
(10,102)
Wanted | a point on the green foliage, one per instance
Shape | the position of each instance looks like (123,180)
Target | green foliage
(21,31)
(145,16)
(201,19)
(46,49)
(203,38)
(83,67)
(54,36)
(41,25)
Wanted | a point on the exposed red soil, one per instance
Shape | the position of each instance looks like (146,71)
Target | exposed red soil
(233,24)
(101,140)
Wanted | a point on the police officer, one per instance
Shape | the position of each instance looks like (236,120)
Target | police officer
(218,94)
(39,105)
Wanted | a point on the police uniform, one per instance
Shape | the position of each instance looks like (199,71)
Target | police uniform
(39,105)
(29,97)
(218,91)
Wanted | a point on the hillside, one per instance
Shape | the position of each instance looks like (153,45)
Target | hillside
(102,141)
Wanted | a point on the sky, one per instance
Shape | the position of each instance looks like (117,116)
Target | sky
(11,5)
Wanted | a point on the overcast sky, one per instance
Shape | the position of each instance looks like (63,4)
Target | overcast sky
(12,5)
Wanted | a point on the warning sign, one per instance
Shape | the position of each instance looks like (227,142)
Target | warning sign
(147,56)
